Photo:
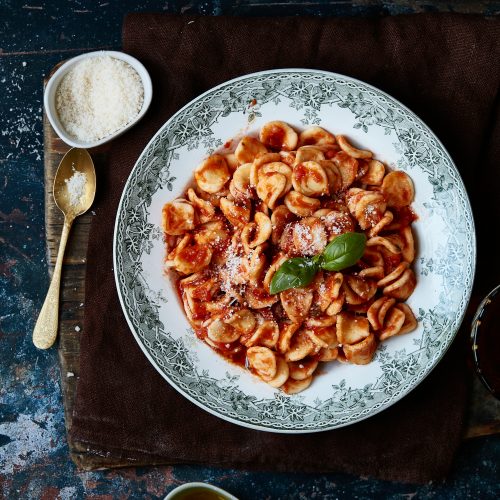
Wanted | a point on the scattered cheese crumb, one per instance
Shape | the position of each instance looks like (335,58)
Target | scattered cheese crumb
(76,187)
(77,328)
(97,97)
(70,374)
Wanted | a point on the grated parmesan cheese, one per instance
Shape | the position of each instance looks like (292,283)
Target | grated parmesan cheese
(230,270)
(97,97)
(76,187)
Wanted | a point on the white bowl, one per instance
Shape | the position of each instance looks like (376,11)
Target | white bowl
(49,97)
(344,393)
(183,489)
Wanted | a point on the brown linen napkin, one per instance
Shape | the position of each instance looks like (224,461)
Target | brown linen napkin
(446,69)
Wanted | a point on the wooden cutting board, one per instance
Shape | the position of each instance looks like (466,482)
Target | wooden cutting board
(72,285)
(484,414)
(72,298)
(72,295)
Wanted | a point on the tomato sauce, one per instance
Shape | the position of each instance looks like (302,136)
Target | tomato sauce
(301,172)
(391,261)
(330,153)
(267,334)
(201,333)
(315,176)
(301,203)
(221,245)
(276,137)
(203,289)
(310,141)
(260,294)
(404,215)
(235,352)
(194,254)
(362,167)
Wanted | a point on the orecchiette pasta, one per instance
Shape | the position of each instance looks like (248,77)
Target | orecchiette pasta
(248,149)
(285,194)
(279,135)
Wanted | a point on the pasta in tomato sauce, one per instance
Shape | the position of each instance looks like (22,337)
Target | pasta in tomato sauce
(288,194)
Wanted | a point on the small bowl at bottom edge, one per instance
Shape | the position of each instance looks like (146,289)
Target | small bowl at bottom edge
(183,490)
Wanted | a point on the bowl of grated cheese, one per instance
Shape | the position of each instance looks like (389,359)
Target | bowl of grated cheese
(95,97)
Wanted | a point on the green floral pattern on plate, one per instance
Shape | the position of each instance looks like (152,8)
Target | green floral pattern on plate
(311,96)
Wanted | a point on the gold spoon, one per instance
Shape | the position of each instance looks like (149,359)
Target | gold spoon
(74,161)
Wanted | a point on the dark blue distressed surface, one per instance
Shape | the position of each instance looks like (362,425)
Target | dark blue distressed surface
(34,462)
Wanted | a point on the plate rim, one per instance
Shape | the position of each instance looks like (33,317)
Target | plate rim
(415,383)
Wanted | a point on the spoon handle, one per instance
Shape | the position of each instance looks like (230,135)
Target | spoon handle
(45,332)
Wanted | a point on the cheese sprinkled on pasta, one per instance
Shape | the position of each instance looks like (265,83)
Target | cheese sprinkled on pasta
(285,194)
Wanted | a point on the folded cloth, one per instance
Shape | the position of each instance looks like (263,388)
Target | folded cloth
(443,67)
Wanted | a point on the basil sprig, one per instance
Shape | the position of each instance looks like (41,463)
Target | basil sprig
(344,251)
(295,272)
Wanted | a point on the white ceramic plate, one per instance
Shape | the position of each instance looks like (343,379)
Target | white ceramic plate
(445,264)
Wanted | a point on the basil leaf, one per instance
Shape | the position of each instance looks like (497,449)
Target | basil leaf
(318,260)
(344,251)
(295,272)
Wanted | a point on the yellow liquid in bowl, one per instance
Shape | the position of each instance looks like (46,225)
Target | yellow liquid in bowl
(198,494)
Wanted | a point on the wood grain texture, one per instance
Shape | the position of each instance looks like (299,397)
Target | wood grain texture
(484,413)
(72,294)
(73,274)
